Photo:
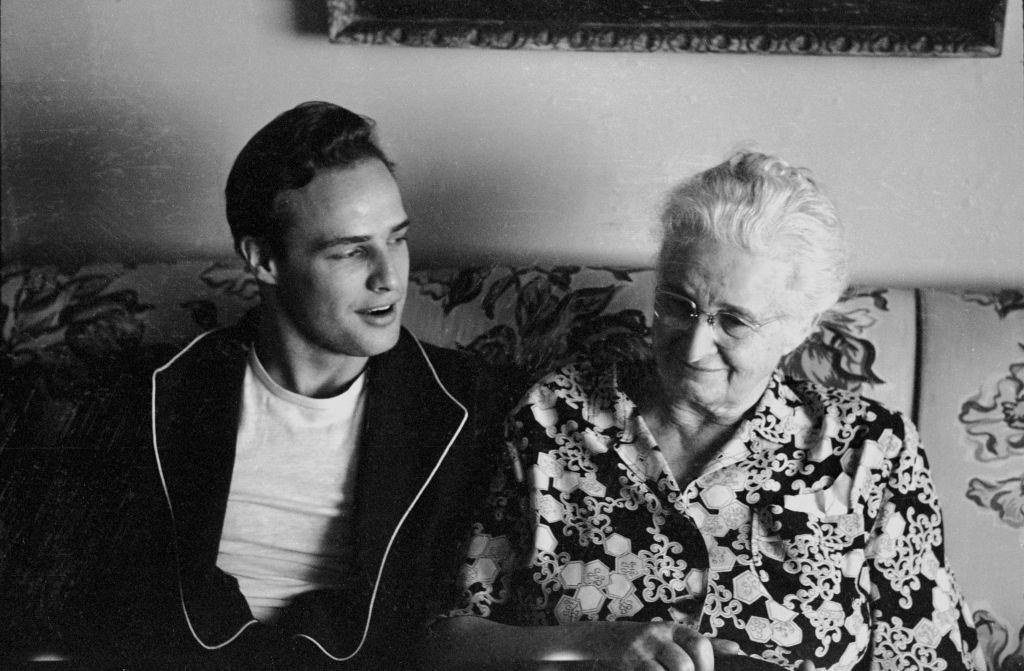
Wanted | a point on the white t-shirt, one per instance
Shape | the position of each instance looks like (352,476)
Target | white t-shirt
(288,525)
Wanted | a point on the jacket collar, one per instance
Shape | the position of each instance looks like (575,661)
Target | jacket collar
(410,422)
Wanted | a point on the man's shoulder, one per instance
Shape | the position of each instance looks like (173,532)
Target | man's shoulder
(450,366)
(464,374)
(449,358)
(454,365)
(210,349)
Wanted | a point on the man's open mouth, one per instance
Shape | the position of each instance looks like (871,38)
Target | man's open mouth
(380,311)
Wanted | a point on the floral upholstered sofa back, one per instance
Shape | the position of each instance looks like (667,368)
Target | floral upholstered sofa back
(532,318)
(953,361)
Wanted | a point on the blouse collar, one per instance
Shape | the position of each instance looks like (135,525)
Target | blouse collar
(776,419)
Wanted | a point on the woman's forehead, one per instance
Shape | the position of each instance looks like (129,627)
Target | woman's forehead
(718,274)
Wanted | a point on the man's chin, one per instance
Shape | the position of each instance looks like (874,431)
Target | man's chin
(363,342)
(381,342)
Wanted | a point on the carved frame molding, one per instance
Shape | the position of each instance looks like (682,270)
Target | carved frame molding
(966,28)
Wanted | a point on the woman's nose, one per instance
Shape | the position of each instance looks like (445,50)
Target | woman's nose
(701,341)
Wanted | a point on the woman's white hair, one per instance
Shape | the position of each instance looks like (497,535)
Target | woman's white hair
(765,206)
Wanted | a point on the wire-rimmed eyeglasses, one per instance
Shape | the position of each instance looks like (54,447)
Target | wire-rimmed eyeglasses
(678,312)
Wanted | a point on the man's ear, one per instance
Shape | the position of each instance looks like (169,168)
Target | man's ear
(258,259)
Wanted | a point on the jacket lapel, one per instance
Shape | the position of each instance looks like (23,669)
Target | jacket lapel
(195,427)
(409,423)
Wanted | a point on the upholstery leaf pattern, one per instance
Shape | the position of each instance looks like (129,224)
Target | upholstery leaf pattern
(837,353)
(993,422)
(994,637)
(497,346)
(1006,497)
(50,315)
(228,278)
(542,320)
(994,417)
(497,289)
(1004,302)
(455,287)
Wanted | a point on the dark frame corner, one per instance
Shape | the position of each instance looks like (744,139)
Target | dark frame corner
(958,28)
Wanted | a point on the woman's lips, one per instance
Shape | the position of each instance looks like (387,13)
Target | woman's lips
(702,370)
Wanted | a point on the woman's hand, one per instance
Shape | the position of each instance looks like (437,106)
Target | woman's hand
(643,646)
(477,643)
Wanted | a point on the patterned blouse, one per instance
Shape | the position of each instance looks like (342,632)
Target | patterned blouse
(815,534)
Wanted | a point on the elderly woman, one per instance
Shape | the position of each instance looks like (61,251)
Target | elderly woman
(706,507)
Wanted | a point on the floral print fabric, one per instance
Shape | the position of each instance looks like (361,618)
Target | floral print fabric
(815,534)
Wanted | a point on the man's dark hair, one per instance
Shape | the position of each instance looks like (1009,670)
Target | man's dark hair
(286,154)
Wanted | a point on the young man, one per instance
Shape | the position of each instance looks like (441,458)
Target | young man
(309,460)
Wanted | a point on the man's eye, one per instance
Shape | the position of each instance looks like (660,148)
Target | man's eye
(348,254)
(399,241)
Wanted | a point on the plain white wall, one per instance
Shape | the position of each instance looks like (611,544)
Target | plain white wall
(121,120)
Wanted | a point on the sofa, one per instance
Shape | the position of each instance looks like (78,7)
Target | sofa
(953,360)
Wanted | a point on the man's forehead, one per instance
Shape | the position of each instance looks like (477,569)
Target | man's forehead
(360,201)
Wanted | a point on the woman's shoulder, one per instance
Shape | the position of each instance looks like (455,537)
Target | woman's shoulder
(846,406)
(844,422)
(584,380)
(579,390)
(580,373)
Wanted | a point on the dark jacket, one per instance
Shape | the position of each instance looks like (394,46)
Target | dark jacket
(160,600)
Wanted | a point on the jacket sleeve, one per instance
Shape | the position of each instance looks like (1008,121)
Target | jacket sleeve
(919,618)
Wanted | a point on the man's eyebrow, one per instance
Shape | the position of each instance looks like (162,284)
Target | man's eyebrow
(327,243)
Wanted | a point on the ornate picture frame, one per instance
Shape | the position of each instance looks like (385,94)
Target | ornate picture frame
(961,28)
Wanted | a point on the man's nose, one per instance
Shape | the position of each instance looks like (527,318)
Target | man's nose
(384,274)
(701,341)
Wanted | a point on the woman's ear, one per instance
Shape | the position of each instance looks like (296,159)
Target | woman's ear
(812,326)
(259,259)
(802,330)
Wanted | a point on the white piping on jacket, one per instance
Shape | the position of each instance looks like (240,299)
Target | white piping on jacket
(391,540)
(398,527)
(170,506)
